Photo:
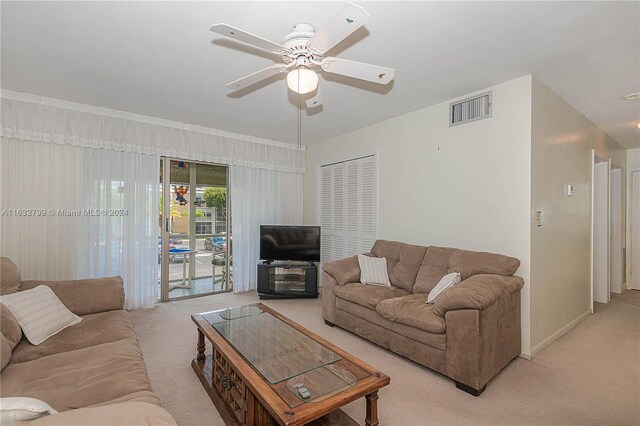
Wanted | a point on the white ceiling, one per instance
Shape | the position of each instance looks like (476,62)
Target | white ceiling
(160,59)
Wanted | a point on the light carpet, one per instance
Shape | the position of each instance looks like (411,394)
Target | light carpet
(589,376)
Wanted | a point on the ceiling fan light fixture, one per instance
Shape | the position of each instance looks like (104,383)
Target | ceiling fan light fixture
(302,80)
(304,48)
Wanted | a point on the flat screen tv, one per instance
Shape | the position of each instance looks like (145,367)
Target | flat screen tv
(294,243)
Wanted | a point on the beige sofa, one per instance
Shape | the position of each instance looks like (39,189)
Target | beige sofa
(92,372)
(470,333)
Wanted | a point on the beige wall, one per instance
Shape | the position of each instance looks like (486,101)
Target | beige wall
(561,143)
(466,186)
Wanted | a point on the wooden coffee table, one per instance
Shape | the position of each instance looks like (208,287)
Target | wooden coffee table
(259,361)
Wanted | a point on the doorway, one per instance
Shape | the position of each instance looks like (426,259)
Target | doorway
(634,223)
(194,238)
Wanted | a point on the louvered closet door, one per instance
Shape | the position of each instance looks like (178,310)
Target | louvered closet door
(352,210)
(327,214)
(348,208)
(367,201)
(339,207)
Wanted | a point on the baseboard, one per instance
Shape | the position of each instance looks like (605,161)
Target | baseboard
(525,356)
(546,342)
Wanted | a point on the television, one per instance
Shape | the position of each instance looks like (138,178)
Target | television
(293,243)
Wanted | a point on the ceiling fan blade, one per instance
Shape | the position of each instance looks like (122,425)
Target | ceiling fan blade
(245,37)
(315,101)
(360,70)
(343,24)
(256,77)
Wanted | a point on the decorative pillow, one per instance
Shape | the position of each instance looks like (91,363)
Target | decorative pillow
(373,270)
(19,409)
(39,312)
(447,281)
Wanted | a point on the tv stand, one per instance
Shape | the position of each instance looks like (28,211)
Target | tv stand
(287,280)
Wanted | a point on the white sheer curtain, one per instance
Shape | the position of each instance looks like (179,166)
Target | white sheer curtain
(94,213)
(40,119)
(259,197)
(60,154)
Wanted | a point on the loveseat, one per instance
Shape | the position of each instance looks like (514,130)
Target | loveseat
(92,372)
(469,334)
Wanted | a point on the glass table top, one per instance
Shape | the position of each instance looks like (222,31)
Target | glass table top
(321,383)
(274,348)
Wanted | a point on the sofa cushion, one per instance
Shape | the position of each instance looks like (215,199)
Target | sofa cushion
(412,310)
(140,396)
(470,263)
(87,296)
(93,330)
(434,266)
(9,326)
(367,295)
(5,351)
(478,293)
(371,317)
(403,261)
(125,413)
(9,276)
(440,261)
(344,271)
(79,378)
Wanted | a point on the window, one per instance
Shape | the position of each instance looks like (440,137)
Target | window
(203,228)
(204,214)
(348,200)
(221,221)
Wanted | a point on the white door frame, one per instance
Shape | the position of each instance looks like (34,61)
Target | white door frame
(633,251)
(616,271)
(608,249)
(591,241)
(596,246)
(167,228)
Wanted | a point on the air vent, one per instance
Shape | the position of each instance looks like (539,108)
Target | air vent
(470,109)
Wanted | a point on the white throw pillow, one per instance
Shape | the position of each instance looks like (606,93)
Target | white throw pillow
(373,270)
(39,312)
(447,281)
(19,409)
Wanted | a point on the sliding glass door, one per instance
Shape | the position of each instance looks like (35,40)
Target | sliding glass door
(194,238)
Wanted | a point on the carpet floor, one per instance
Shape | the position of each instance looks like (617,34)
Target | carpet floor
(589,376)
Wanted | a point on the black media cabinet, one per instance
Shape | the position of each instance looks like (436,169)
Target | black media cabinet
(287,280)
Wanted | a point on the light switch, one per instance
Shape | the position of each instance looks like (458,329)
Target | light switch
(569,190)
(539,218)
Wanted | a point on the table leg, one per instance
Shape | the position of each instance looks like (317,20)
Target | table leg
(371,418)
(200,347)
(223,280)
(191,259)
(184,268)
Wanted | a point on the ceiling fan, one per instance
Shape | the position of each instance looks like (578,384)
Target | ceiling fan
(304,48)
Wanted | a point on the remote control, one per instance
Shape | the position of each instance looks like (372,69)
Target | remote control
(304,393)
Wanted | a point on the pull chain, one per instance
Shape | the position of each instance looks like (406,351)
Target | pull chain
(299,113)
